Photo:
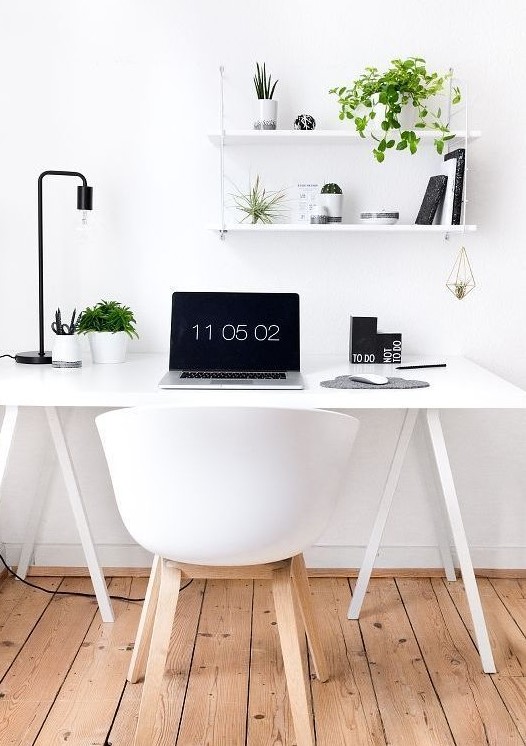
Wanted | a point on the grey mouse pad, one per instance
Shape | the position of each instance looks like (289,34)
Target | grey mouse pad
(344,382)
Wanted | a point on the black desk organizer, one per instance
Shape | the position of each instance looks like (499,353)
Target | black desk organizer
(367,345)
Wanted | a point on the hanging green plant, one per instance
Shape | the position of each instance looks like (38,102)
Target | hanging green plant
(385,94)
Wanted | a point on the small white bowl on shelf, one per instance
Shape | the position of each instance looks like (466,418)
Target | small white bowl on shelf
(379,217)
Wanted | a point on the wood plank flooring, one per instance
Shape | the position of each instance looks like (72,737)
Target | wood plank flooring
(406,674)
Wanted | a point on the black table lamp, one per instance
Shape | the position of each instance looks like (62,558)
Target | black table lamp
(84,202)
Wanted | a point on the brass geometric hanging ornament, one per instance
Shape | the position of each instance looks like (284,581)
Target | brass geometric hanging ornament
(461,280)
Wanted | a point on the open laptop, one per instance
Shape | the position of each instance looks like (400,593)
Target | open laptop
(234,340)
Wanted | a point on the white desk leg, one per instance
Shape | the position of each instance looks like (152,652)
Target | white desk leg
(383,511)
(459,538)
(7,432)
(35,516)
(79,512)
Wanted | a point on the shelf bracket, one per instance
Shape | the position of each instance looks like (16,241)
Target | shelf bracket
(222,147)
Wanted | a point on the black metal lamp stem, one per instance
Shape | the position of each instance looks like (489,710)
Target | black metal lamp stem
(84,202)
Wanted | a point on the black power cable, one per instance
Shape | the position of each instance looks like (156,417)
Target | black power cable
(11,356)
(74,593)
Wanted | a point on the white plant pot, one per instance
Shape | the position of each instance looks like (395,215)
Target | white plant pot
(66,352)
(267,116)
(108,347)
(334,205)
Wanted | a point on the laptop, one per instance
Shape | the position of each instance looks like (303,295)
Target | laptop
(235,341)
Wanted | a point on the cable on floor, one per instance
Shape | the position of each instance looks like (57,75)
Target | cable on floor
(75,593)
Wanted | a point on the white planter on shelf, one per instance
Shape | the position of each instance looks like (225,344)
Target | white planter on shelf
(108,347)
(267,116)
(66,352)
(334,205)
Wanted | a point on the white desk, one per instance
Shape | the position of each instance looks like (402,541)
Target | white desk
(462,385)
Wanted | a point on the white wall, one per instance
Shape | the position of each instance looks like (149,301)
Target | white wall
(126,92)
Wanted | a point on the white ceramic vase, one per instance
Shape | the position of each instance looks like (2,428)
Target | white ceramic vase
(267,117)
(66,352)
(108,347)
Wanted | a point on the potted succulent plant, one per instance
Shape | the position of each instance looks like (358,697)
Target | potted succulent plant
(387,96)
(331,197)
(108,325)
(268,107)
(66,348)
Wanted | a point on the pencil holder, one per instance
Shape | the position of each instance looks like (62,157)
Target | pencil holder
(66,352)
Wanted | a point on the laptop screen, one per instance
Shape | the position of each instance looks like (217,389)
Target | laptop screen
(235,331)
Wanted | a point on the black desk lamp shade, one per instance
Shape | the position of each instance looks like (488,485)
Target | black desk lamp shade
(84,202)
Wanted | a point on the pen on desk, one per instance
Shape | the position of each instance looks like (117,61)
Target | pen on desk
(414,367)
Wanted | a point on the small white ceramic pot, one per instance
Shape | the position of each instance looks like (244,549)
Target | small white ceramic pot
(108,347)
(334,205)
(319,214)
(66,352)
(267,118)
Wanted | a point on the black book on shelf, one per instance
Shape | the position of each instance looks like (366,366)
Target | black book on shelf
(436,188)
(458,188)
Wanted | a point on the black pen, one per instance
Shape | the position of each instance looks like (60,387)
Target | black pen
(430,365)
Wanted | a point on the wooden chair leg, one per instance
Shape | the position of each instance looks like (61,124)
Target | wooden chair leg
(301,581)
(162,629)
(144,631)
(289,635)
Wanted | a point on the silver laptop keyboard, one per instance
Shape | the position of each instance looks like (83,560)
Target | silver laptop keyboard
(233,375)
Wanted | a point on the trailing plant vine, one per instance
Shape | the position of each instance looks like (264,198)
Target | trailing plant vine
(404,83)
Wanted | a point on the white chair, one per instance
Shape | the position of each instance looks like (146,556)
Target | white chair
(229,493)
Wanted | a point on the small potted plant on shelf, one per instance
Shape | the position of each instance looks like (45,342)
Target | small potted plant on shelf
(391,105)
(108,325)
(332,197)
(66,348)
(260,205)
(268,107)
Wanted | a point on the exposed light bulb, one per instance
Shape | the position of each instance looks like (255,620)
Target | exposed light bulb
(84,218)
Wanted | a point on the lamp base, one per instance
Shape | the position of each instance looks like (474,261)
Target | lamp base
(33,358)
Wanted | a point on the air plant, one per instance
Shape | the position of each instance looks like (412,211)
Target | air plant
(264,88)
(259,204)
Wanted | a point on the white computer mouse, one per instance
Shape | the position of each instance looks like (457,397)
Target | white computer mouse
(369,378)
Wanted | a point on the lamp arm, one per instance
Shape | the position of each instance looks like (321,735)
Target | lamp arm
(41,350)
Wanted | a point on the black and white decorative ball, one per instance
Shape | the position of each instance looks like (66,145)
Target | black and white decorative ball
(304,122)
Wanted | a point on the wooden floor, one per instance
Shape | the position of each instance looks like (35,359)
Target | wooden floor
(407,674)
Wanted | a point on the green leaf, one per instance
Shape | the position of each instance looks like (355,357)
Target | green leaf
(385,125)
(402,145)
(378,155)
(390,144)
(413,146)
(382,145)
(420,125)
(341,115)
(439,146)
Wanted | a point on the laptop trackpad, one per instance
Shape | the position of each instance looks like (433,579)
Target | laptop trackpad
(231,382)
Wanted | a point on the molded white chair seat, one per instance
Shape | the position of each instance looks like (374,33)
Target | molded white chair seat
(226,492)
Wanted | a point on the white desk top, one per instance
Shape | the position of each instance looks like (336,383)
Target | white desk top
(463,384)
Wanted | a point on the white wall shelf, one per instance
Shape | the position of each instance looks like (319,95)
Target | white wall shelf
(223,138)
(315,137)
(340,228)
